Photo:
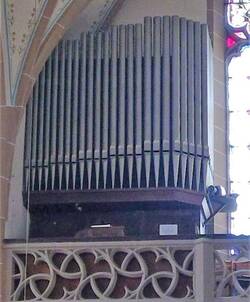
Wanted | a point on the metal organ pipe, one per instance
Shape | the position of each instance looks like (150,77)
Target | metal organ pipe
(183,101)
(82,108)
(54,117)
(138,103)
(61,112)
(125,108)
(130,100)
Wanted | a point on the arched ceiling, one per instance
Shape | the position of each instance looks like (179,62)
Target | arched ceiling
(28,25)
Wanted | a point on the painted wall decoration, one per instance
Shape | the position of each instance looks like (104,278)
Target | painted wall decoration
(22,18)
(20,21)
(19,36)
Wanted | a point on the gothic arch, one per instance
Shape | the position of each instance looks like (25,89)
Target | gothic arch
(43,44)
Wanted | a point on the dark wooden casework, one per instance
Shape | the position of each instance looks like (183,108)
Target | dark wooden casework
(114,196)
(140,212)
(117,131)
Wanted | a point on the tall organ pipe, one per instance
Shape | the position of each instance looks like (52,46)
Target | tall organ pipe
(125,108)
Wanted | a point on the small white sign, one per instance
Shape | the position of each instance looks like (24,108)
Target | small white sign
(168,229)
(96,226)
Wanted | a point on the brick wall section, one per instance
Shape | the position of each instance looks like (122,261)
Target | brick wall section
(215,17)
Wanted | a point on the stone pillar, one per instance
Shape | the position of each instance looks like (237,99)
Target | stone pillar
(9,121)
(204,271)
(1,257)
(215,18)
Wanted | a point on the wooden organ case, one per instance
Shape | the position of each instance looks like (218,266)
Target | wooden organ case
(117,131)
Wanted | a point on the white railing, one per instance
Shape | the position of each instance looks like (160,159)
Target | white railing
(202,270)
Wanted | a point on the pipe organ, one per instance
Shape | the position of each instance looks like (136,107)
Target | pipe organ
(122,110)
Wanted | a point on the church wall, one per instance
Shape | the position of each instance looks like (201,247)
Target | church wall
(133,11)
(215,17)
(15,226)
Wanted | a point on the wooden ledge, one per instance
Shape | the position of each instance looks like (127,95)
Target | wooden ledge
(145,195)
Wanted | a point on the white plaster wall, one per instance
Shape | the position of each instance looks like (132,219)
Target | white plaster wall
(17,215)
(133,11)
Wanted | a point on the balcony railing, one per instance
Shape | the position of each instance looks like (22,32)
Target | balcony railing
(202,270)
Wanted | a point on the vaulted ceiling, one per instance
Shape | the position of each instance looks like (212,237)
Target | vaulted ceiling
(31,28)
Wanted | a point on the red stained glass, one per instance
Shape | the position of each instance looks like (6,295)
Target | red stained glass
(230,42)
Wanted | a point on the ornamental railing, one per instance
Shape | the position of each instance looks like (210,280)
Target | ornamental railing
(202,270)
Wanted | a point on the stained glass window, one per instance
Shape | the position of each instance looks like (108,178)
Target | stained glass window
(237,22)
(238,58)
(238,14)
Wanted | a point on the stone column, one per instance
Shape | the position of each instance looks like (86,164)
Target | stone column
(215,19)
(204,270)
(9,121)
